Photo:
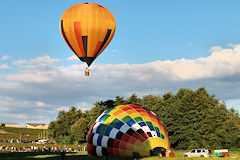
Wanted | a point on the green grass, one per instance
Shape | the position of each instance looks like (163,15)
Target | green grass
(83,156)
(14,133)
(26,131)
(26,145)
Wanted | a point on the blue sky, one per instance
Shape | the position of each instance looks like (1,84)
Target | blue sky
(183,43)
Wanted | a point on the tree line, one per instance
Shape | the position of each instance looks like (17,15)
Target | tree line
(193,119)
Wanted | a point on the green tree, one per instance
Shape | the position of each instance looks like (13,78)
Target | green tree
(119,101)
(108,103)
(65,139)
(148,101)
(63,123)
(153,103)
(80,129)
(193,119)
(133,99)
(94,112)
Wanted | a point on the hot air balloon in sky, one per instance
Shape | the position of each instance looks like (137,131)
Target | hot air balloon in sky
(128,130)
(87,28)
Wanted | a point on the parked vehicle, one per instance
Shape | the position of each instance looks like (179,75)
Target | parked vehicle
(221,153)
(42,141)
(198,153)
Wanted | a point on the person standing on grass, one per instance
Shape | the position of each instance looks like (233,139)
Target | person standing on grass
(63,154)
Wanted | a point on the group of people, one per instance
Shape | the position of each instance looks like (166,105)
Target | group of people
(17,141)
(32,148)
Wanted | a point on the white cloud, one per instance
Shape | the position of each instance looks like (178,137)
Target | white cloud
(220,63)
(17,116)
(18,110)
(39,70)
(20,62)
(3,109)
(42,87)
(83,105)
(62,108)
(5,66)
(233,103)
(5,57)
(40,104)
(73,58)
(42,60)
(30,77)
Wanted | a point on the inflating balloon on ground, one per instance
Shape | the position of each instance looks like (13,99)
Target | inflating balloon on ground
(128,130)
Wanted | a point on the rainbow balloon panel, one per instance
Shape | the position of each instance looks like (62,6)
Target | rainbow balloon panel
(128,131)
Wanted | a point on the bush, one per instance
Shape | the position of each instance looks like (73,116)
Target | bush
(65,139)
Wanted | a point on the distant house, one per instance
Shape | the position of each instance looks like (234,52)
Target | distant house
(13,125)
(36,125)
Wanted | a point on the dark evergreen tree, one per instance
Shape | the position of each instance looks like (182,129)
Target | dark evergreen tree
(108,103)
(119,101)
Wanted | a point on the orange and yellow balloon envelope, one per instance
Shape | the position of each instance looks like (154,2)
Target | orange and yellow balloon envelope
(87,28)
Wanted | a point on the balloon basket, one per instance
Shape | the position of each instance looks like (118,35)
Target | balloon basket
(87,72)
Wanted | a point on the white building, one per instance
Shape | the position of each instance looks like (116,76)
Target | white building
(13,125)
(36,125)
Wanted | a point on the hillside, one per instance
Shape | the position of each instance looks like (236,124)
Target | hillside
(8,133)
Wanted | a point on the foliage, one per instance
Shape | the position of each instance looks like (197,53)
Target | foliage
(92,114)
(193,119)
(62,126)
(80,129)
(65,139)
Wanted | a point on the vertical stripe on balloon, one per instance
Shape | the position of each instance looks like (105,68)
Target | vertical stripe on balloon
(78,35)
(84,39)
(104,42)
(65,38)
(97,48)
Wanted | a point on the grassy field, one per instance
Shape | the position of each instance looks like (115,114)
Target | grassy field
(8,133)
(21,145)
(33,134)
(83,156)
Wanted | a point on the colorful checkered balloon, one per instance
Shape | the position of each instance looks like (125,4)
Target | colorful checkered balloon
(127,130)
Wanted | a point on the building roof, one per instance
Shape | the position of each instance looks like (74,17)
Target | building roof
(36,124)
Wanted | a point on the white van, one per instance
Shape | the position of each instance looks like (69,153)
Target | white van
(198,153)
(42,141)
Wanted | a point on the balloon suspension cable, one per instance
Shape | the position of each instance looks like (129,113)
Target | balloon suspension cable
(87,71)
